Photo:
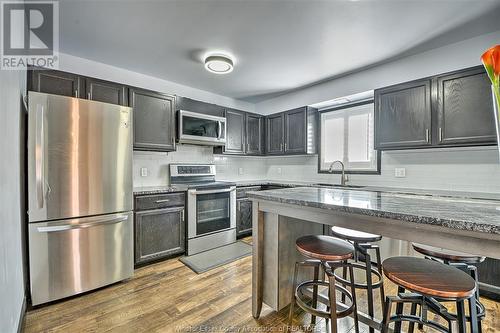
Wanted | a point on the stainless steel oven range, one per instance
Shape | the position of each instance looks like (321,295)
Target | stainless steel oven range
(211,206)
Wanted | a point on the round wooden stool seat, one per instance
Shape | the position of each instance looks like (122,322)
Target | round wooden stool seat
(325,248)
(355,235)
(447,255)
(429,278)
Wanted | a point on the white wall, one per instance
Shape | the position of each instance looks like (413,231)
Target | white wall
(72,64)
(444,59)
(12,83)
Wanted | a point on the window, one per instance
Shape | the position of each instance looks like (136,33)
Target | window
(347,135)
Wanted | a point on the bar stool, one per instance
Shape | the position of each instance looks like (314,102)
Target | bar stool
(461,260)
(428,279)
(326,253)
(363,242)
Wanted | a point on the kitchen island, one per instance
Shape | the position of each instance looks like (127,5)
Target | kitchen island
(281,216)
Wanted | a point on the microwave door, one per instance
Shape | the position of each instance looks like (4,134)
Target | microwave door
(200,128)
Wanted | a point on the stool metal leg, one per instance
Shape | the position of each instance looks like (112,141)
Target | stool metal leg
(354,301)
(315,293)
(473,314)
(379,266)
(333,303)
(399,310)
(413,312)
(387,315)
(292,300)
(461,319)
(473,273)
(369,290)
(344,276)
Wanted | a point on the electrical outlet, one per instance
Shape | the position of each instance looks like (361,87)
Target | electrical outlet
(400,172)
(240,171)
(279,171)
(144,172)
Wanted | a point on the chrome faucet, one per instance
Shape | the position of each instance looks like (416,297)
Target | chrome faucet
(330,170)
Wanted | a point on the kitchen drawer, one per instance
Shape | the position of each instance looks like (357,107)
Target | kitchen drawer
(155,201)
(241,192)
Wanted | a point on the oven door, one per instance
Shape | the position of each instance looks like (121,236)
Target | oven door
(201,129)
(211,211)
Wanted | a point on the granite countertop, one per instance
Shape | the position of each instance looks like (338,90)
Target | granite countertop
(395,190)
(457,213)
(145,190)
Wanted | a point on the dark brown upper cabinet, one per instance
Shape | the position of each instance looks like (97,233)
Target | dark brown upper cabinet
(254,134)
(447,110)
(73,85)
(105,91)
(292,132)
(188,104)
(403,116)
(235,132)
(154,120)
(296,131)
(465,113)
(275,134)
(245,134)
(56,82)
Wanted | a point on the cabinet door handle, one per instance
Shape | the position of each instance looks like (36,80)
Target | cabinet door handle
(427,135)
(162,200)
(281,147)
(76,93)
(182,215)
(285,146)
(89,95)
(440,134)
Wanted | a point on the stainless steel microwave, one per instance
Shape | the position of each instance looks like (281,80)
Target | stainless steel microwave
(203,129)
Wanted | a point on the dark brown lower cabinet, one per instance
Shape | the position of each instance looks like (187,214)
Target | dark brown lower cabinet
(159,233)
(243,217)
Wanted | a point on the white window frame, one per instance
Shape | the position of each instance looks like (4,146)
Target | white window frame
(371,167)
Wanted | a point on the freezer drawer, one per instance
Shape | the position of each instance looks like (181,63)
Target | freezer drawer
(68,257)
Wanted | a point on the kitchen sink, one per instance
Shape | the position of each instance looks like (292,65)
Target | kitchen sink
(338,185)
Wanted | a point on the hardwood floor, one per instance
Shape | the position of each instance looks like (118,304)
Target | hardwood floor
(169,297)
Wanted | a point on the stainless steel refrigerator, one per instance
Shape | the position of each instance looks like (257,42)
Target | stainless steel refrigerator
(80,198)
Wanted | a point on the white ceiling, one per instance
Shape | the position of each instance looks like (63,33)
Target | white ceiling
(279,45)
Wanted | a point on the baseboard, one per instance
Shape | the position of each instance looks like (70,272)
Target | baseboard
(20,324)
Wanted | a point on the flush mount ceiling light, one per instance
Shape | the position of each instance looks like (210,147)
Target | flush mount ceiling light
(219,64)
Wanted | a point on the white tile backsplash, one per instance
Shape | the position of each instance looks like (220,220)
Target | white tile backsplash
(460,169)
(158,163)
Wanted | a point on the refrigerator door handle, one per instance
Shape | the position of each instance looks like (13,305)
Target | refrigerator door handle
(65,227)
(39,147)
